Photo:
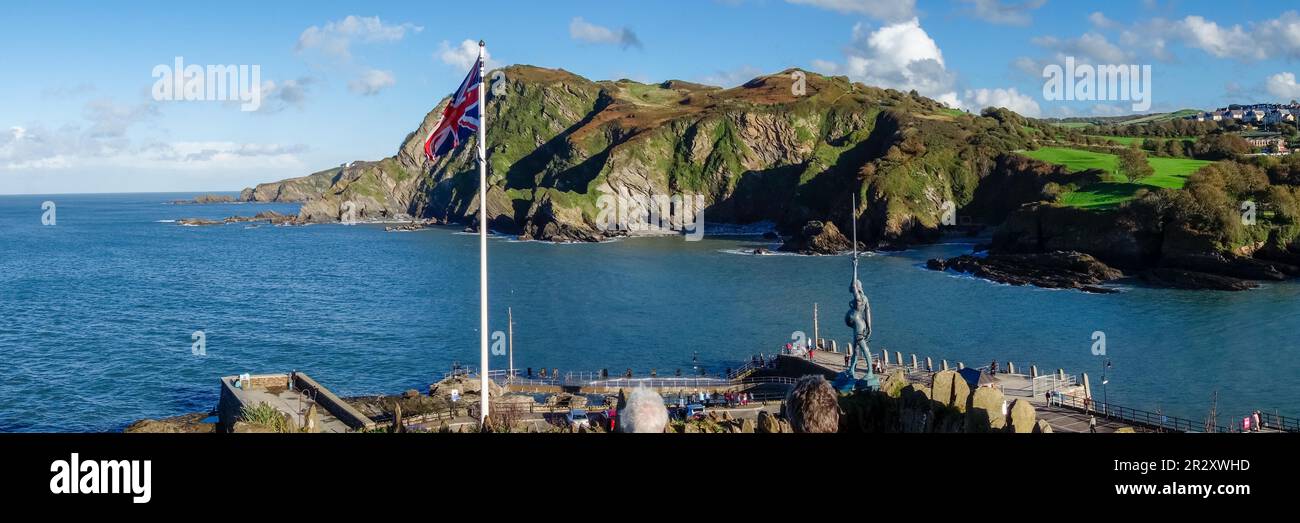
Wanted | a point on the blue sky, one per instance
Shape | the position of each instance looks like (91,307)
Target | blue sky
(345,81)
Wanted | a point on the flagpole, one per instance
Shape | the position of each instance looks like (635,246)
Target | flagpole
(482,243)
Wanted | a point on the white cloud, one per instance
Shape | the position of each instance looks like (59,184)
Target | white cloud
(1100,21)
(994,11)
(1283,86)
(898,56)
(584,31)
(1009,98)
(462,57)
(1090,48)
(278,96)
(372,82)
(101,141)
(887,10)
(335,38)
(1222,42)
(110,119)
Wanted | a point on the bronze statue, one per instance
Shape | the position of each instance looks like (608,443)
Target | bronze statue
(859,318)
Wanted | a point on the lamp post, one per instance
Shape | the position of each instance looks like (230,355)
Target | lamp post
(1105,398)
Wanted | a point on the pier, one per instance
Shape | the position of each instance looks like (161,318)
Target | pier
(1065,401)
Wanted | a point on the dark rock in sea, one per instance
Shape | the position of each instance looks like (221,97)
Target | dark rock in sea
(1232,266)
(1185,279)
(936,264)
(817,238)
(1053,270)
(270,217)
(197,222)
(205,199)
(761,250)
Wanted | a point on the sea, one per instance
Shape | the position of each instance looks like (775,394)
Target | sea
(112,312)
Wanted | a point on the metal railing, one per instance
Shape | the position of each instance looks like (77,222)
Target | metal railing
(1143,418)
(1276,422)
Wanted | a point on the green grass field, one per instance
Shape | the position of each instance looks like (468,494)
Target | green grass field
(1170,173)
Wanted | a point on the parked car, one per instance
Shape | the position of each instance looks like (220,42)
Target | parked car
(578,418)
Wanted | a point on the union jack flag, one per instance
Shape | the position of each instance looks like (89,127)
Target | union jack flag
(460,119)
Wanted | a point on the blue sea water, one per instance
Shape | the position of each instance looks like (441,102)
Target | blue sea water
(97,312)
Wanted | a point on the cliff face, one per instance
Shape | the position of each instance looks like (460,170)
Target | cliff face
(557,142)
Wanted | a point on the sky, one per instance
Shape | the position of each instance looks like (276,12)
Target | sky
(81,110)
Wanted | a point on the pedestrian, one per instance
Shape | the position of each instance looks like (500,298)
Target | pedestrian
(1092,424)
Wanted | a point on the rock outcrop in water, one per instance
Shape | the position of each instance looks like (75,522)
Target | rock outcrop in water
(769,150)
(1053,270)
(817,238)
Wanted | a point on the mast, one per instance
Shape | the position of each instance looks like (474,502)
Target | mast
(510,341)
(816,339)
(482,243)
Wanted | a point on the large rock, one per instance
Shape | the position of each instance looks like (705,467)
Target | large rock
(818,237)
(186,424)
(244,427)
(951,390)
(916,414)
(1192,280)
(767,423)
(985,411)
(466,385)
(1042,427)
(1055,270)
(1023,418)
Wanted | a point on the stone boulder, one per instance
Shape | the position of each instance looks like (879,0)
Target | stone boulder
(468,386)
(951,390)
(1042,427)
(1022,416)
(984,413)
(244,427)
(916,414)
(767,423)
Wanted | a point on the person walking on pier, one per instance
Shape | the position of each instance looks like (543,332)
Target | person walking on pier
(1092,424)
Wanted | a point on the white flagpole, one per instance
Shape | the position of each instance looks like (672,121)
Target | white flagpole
(482,242)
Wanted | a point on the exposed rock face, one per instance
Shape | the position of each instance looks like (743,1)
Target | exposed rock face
(558,142)
(292,190)
(1056,270)
(817,238)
